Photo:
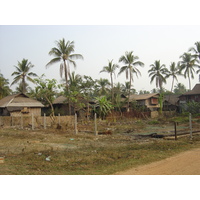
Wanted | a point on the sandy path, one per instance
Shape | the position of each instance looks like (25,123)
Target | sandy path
(186,163)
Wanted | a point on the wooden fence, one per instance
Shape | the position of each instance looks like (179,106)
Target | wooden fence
(35,121)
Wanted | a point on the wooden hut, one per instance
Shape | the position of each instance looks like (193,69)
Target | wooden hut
(17,104)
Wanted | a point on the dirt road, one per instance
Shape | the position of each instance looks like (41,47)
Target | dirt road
(186,163)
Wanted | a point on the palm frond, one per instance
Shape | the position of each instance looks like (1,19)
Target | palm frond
(53,61)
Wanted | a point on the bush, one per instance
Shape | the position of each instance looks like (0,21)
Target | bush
(192,107)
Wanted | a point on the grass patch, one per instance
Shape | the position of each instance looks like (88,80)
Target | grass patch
(25,151)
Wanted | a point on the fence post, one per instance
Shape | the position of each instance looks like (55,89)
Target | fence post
(59,119)
(21,121)
(11,120)
(75,124)
(32,122)
(95,124)
(190,123)
(45,121)
(175,133)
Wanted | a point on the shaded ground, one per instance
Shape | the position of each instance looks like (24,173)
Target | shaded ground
(186,163)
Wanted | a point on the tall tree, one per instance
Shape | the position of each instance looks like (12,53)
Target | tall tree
(45,91)
(75,82)
(4,87)
(102,87)
(157,73)
(64,53)
(188,65)
(22,73)
(125,89)
(180,89)
(173,72)
(196,50)
(111,70)
(131,62)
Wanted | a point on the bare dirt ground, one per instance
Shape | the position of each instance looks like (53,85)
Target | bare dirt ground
(186,163)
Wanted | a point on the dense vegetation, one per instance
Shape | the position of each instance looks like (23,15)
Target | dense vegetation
(73,85)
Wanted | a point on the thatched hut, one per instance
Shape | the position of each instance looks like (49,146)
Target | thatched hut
(17,104)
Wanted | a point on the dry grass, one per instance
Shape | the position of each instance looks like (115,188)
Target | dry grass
(25,151)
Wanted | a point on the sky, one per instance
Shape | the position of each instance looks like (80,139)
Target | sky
(98,44)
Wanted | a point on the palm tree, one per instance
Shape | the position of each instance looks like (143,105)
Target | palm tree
(130,68)
(158,73)
(173,72)
(22,73)
(196,50)
(102,86)
(64,52)
(125,89)
(111,70)
(188,64)
(4,87)
(180,89)
(75,82)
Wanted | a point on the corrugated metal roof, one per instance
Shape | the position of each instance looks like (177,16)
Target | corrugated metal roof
(19,100)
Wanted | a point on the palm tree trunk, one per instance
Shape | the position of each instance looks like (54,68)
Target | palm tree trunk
(189,82)
(129,92)
(23,85)
(172,84)
(67,87)
(66,76)
(112,92)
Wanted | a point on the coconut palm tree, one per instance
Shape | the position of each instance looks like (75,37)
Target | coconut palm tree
(173,72)
(196,50)
(180,88)
(111,70)
(64,53)
(22,73)
(4,87)
(102,87)
(75,82)
(130,68)
(188,65)
(157,73)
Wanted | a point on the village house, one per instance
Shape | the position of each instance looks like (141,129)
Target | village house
(171,102)
(149,101)
(17,104)
(81,107)
(192,95)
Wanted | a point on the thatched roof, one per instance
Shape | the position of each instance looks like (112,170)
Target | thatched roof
(172,99)
(194,91)
(137,97)
(64,100)
(19,101)
(60,100)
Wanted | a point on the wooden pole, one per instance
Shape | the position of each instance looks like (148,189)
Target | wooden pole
(59,119)
(190,123)
(11,120)
(45,126)
(95,124)
(1,123)
(21,121)
(32,122)
(75,124)
(175,132)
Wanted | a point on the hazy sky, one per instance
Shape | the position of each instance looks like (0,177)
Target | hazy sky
(98,44)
